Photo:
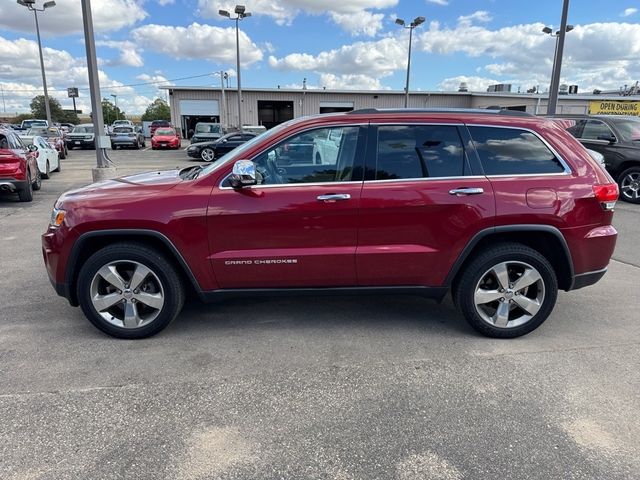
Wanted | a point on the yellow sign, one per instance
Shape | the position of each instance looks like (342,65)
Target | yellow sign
(614,107)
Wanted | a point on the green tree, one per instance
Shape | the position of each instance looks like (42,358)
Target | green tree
(111,113)
(158,110)
(38,110)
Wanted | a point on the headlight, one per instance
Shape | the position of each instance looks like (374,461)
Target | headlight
(57,217)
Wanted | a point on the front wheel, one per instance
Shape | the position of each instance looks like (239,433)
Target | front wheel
(129,291)
(37,183)
(629,182)
(47,172)
(507,291)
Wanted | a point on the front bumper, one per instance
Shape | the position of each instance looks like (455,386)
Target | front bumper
(193,153)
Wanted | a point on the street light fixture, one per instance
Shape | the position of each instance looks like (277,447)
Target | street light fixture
(115,100)
(241,13)
(416,22)
(30,4)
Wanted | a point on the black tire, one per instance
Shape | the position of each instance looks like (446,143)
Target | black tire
(62,154)
(136,146)
(26,194)
(629,185)
(37,184)
(46,174)
(477,271)
(59,168)
(163,270)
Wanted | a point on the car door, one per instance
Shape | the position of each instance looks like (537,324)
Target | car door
(51,154)
(423,200)
(298,226)
(228,145)
(598,136)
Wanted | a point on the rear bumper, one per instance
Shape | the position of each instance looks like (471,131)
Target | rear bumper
(12,185)
(80,143)
(589,278)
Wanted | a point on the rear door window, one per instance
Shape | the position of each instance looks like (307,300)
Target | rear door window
(419,151)
(512,151)
(596,130)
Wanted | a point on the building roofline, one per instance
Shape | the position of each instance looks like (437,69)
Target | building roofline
(541,96)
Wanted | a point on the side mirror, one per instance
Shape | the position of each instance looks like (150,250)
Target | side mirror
(32,148)
(243,174)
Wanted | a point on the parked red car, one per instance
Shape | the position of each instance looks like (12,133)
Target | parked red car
(501,209)
(165,138)
(19,171)
(156,124)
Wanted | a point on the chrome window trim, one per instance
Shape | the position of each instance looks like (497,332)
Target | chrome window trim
(427,179)
(301,132)
(281,185)
(565,165)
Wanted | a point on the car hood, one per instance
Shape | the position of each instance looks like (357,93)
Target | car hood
(164,138)
(132,185)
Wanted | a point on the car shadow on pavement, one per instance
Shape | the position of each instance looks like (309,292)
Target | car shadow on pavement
(397,312)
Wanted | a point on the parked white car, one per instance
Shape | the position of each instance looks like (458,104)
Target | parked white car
(46,155)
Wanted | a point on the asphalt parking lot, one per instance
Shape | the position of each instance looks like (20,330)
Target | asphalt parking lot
(311,388)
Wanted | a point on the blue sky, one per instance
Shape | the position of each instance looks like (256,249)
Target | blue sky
(332,43)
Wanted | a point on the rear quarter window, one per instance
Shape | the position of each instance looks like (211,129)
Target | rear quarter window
(513,151)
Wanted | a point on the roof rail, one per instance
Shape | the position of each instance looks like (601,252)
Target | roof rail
(493,111)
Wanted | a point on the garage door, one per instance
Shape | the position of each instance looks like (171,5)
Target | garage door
(207,108)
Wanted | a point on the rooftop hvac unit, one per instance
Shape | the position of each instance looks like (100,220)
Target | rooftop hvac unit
(573,89)
(463,87)
(564,89)
(500,87)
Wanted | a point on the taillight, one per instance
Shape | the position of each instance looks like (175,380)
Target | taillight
(606,194)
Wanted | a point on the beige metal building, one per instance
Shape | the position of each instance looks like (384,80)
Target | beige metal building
(270,107)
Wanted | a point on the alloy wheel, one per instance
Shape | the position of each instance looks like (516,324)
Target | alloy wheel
(207,155)
(630,186)
(509,294)
(127,294)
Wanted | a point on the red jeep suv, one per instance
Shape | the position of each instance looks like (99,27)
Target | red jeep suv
(500,208)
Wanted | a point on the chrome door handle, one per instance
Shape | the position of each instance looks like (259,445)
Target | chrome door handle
(466,191)
(333,197)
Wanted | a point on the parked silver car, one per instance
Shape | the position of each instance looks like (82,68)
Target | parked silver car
(125,136)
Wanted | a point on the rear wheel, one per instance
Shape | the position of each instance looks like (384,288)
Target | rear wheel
(45,175)
(129,291)
(63,154)
(59,167)
(26,194)
(136,146)
(629,182)
(37,184)
(507,291)
(207,154)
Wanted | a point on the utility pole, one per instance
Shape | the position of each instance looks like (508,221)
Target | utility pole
(224,100)
(557,65)
(103,170)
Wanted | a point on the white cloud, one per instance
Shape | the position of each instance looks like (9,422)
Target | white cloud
(474,84)
(629,11)
(350,82)
(129,55)
(376,59)
(481,16)
(166,2)
(284,11)
(66,17)
(439,2)
(21,80)
(365,23)
(198,42)
(598,55)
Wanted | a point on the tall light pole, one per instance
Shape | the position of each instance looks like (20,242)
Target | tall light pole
(31,5)
(115,100)
(557,62)
(241,13)
(416,22)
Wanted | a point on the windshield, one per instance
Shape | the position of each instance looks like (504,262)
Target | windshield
(165,131)
(238,153)
(34,123)
(87,129)
(44,132)
(121,122)
(208,128)
(629,128)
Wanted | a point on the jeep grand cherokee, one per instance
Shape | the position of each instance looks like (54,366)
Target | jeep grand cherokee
(499,209)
